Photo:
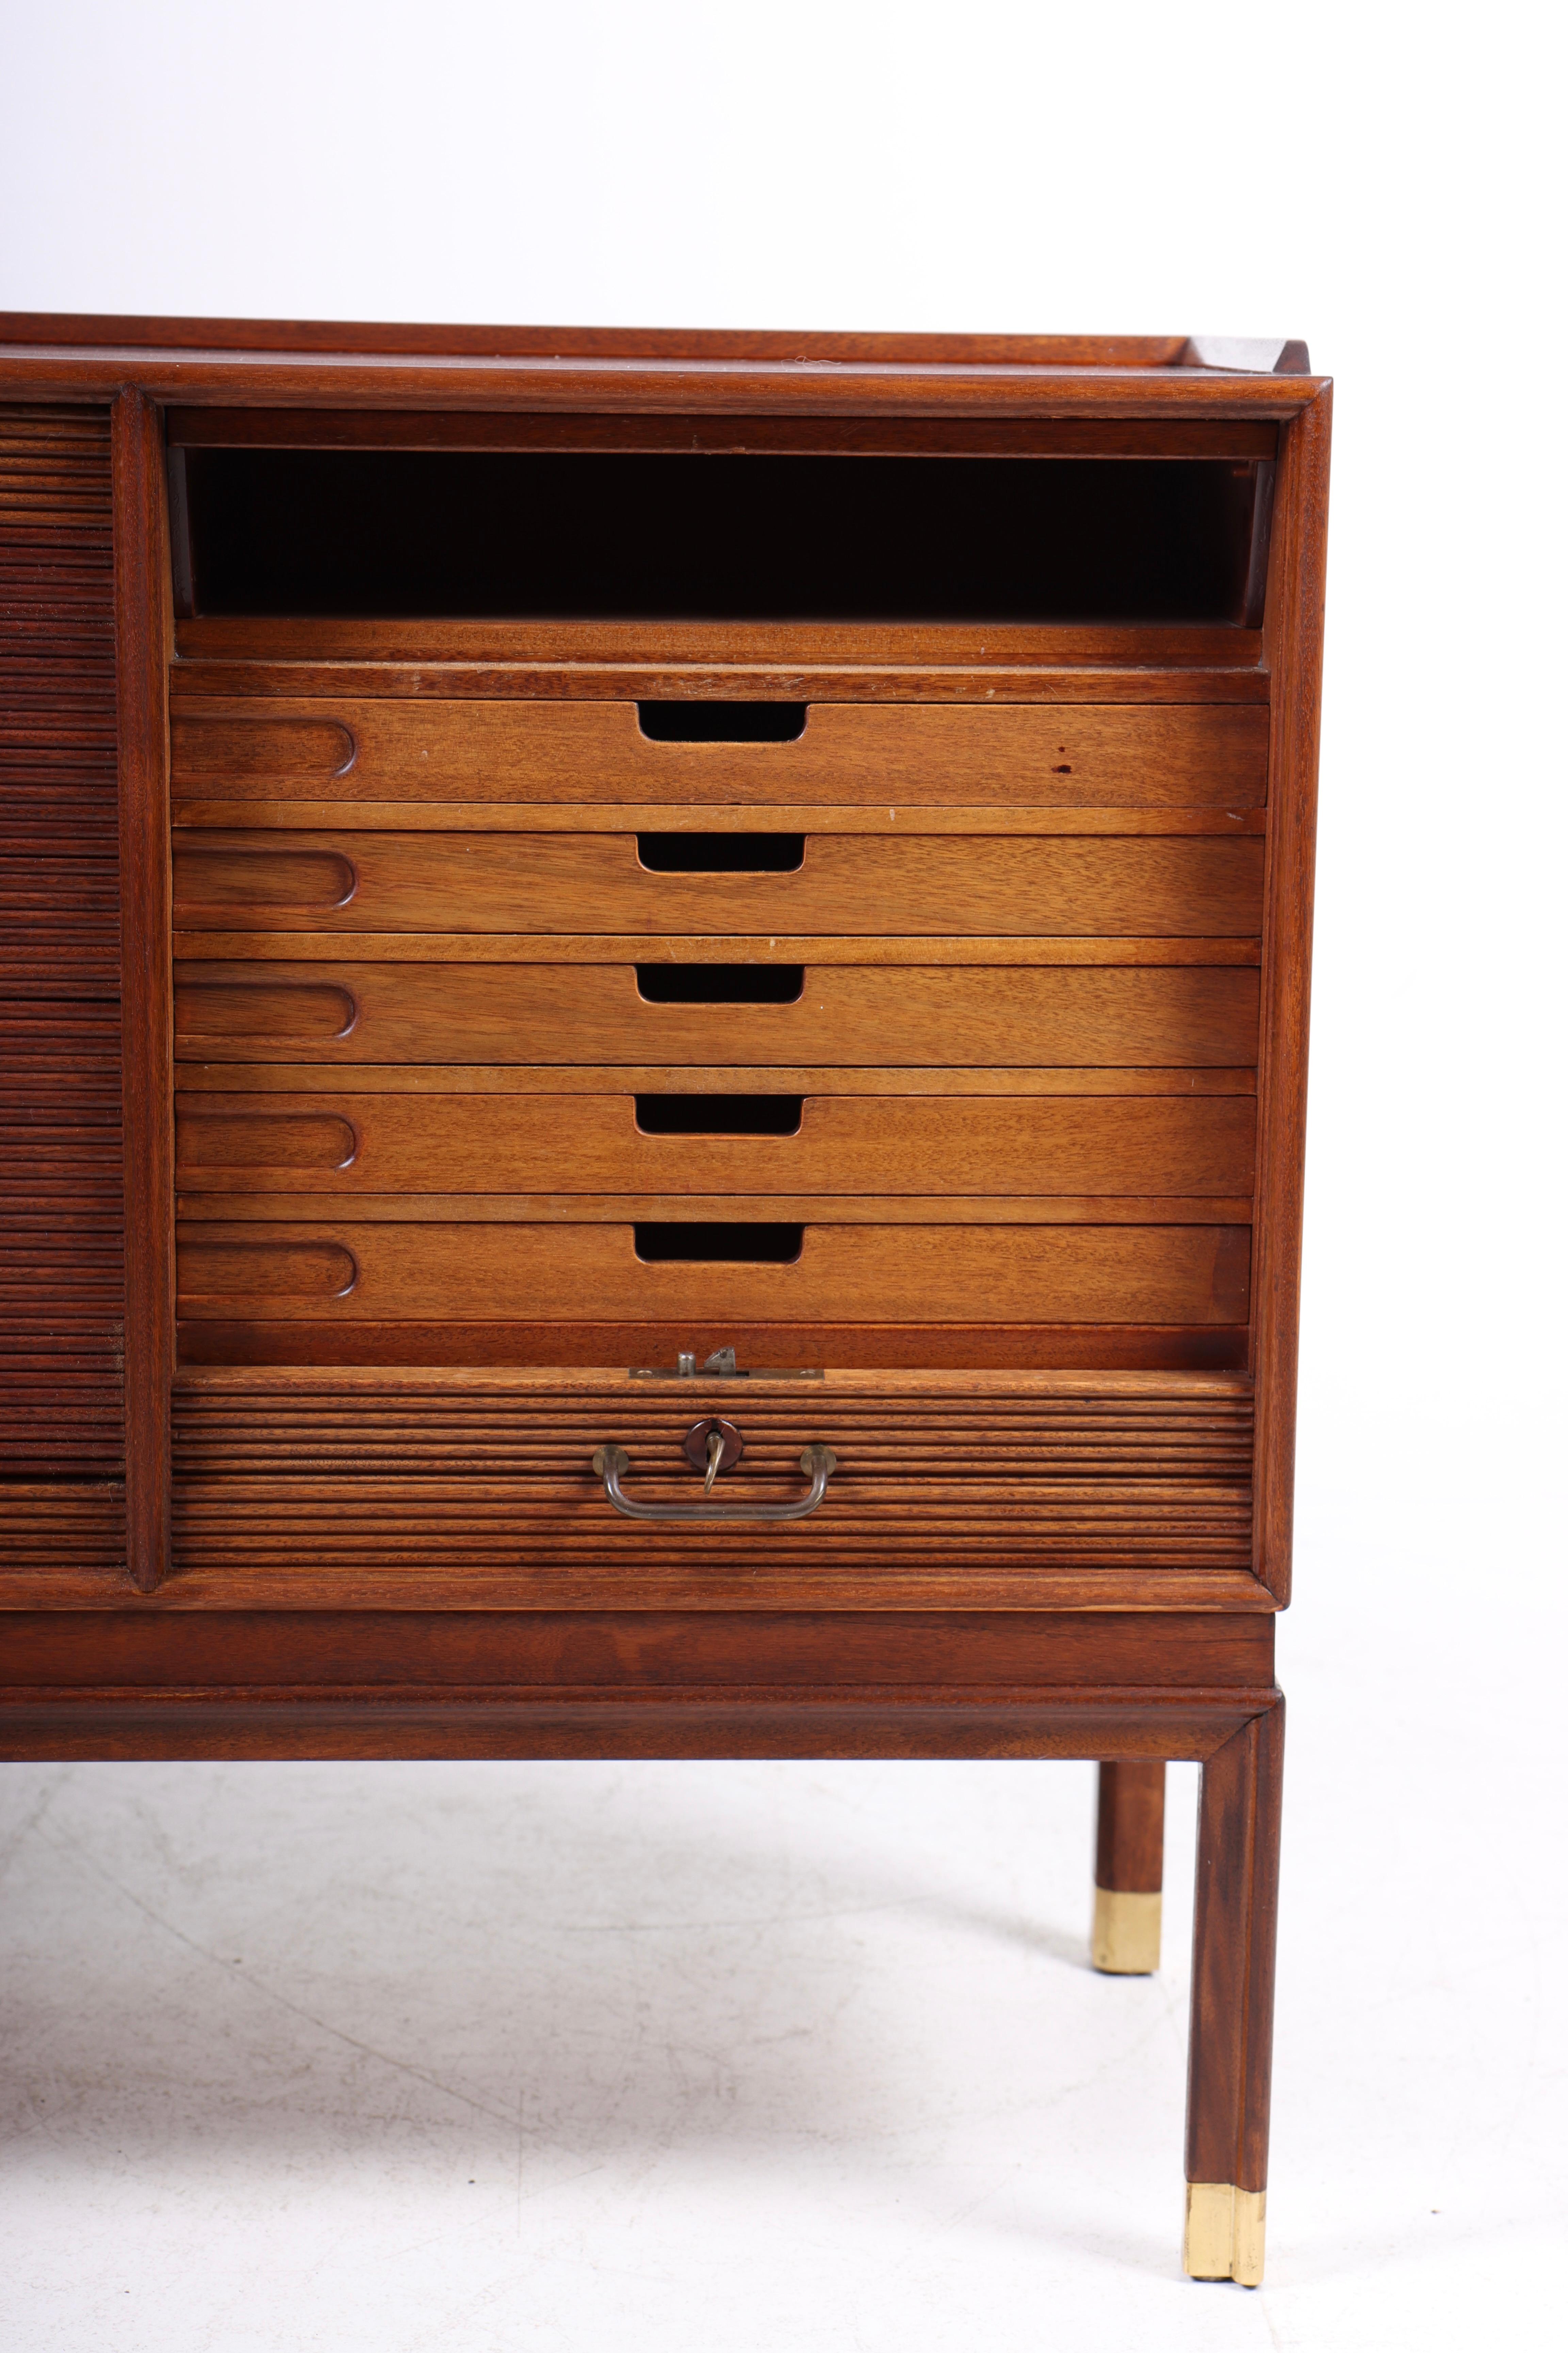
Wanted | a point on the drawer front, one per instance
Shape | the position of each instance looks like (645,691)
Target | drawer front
(346,1271)
(484,1143)
(480,1490)
(896,1016)
(856,885)
(1176,756)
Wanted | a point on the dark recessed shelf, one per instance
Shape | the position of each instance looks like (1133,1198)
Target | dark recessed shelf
(589,536)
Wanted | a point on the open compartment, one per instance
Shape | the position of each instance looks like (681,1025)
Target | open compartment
(598,536)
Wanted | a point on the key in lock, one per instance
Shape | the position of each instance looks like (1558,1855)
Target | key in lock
(710,1446)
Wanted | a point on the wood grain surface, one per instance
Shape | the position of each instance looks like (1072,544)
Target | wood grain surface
(410,1490)
(722,345)
(1018,948)
(709,817)
(86,1722)
(1296,606)
(696,1079)
(62,1444)
(1157,756)
(1114,1275)
(482,1489)
(595,1143)
(927,1351)
(1230,2047)
(368,429)
(255,1650)
(594,1014)
(437,660)
(1129,1828)
(287,1207)
(143,620)
(344,880)
(601,385)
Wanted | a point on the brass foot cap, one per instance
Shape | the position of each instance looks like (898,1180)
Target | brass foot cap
(1224,2232)
(1126,1940)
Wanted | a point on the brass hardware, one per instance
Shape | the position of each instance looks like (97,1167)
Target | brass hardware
(1224,2232)
(612,1462)
(1126,1939)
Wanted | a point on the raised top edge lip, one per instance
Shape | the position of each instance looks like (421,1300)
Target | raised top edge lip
(340,339)
(172,349)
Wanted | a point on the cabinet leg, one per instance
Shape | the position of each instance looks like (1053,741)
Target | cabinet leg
(1230,2050)
(1129,1869)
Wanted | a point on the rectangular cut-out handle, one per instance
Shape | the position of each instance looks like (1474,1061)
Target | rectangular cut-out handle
(722,853)
(709,1115)
(702,1243)
(721,984)
(722,722)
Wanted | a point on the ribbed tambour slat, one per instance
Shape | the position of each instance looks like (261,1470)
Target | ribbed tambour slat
(61,1283)
(440,1479)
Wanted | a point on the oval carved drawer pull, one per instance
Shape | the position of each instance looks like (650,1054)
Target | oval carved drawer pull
(612,1462)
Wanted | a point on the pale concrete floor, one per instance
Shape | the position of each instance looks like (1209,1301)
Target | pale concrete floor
(765,2056)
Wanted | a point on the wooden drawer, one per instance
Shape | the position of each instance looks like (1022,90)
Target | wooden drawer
(908,1015)
(892,1015)
(476,1271)
(1110,756)
(346,881)
(487,1144)
(476,1489)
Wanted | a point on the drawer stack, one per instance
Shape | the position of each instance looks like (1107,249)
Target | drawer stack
(527,1032)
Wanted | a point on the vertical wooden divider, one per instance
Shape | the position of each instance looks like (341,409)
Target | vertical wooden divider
(1293,648)
(142,630)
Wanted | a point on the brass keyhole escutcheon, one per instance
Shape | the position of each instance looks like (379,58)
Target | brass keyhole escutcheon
(710,1446)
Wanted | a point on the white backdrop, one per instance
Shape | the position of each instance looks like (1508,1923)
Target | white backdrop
(1380,181)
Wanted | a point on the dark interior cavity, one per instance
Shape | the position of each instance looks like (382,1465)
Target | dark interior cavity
(592,536)
(722,853)
(722,722)
(721,984)
(720,1114)
(707,1244)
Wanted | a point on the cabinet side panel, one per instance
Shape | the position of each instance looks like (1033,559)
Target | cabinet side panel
(61,1177)
(1294,643)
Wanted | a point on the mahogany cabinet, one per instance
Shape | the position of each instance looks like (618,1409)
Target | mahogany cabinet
(655,997)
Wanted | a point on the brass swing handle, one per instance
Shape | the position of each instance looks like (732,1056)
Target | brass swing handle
(611,1461)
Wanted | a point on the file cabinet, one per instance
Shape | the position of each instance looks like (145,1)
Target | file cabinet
(659,1000)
